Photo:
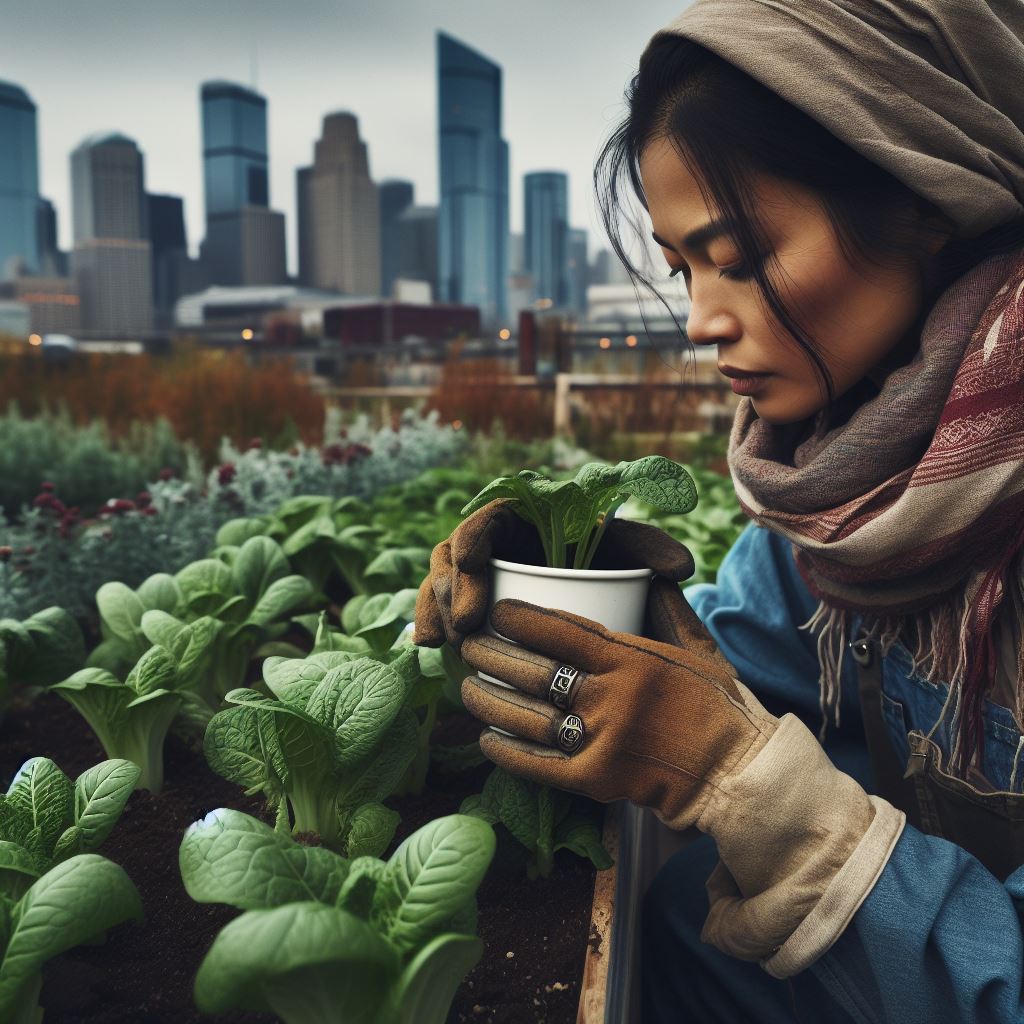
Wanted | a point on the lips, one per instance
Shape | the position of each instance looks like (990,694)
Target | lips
(736,374)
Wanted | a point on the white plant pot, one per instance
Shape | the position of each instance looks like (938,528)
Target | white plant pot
(616,598)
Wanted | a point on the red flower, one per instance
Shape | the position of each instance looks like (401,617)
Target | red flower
(166,474)
(143,498)
(256,442)
(226,473)
(5,553)
(46,486)
(119,506)
(148,510)
(44,500)
(28,549)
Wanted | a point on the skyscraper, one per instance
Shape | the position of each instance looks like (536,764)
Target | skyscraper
(339,213)
(170,252)
(19,181)
(245,240)
(473,219)
(546,245)
(417,245)
(579,270)
(395,196)
(112,256)
(234,148)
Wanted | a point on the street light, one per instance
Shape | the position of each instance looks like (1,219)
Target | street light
(35,339)
(504,334)
(605,343)
(631,340)
(247,334)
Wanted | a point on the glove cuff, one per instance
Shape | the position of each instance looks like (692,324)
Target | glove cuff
(801,846)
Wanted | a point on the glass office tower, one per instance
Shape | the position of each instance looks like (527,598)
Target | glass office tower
(473,216)
(546,242)
(234,148)
(19,181)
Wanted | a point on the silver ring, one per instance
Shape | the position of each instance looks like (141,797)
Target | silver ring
(560,692)
(570,734)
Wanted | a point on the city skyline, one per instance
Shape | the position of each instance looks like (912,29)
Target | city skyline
(396,108)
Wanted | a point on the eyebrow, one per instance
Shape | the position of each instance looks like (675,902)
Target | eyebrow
(700,236)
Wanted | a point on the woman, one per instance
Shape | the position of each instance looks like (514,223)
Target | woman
(840,185)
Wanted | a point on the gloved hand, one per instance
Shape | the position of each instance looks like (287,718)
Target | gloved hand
(671,728)
(453,599)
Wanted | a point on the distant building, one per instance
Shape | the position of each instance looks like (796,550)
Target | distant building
(339,213)
(14,319)
(237,189)
(473,220)
(52,260)
(112,259)
(388,323)
(546,241)
(19,182)
(170,252)
(52,302)
(417,245)
(607,269)
(245,248)
(579,271)
(395,197)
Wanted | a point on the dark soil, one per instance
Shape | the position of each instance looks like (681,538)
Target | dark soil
(534,933)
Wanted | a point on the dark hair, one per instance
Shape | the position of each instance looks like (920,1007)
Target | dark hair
(725,126)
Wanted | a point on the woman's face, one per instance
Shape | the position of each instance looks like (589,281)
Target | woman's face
(856,315)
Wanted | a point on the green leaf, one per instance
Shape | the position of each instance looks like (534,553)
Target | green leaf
(235,532)
(260,563)
(234,747)
(121,610)
(435,872)
(382,774)
(160,592)
(203,578)
(230,857)
(18,868)
(370,830)
(428,984)
(580,834)
(302,961)
(42,794)
(100,795)
(155,670)
(281,597)
(55,648)
(76,900)
(160,627)
(389,619)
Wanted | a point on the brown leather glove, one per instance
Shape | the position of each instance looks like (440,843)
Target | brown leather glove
(453,599)
(671,728)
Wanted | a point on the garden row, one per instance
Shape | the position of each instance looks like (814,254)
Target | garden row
(358,839)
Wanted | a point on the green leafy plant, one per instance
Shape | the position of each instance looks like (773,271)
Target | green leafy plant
(323,938)
(576,512)
(54,894)
(74,902)
(39,650)
(333,742)
(542,819)
(45,819)
(243,599)
(131,718)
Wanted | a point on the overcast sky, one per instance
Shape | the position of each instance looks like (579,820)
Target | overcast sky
(135,66)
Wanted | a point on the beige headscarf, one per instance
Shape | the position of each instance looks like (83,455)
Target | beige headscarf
(930,90)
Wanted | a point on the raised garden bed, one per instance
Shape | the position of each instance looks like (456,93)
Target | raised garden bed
(535,933)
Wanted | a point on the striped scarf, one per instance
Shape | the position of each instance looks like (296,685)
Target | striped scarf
(911,512)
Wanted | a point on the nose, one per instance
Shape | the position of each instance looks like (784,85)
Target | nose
(708,323)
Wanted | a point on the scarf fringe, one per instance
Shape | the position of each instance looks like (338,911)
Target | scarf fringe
(937,641)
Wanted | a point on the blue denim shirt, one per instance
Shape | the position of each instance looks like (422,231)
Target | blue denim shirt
(938,938)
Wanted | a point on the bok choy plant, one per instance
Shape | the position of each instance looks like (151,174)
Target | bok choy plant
(39,650)
(325,939)
(576,512)
(45,819)
(131,718)
(333,742)
(53,893)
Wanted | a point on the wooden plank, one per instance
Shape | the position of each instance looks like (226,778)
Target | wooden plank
(593,987)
